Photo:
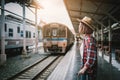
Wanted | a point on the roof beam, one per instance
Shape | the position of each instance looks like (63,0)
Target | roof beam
(31,3)
(99,22)
(75,21)
(80,6)
(10,12)
(114,2)
(111,17)
(98,7)
(113,10)
(96,13)
(75,17)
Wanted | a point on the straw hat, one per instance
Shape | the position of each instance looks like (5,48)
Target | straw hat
(88,21)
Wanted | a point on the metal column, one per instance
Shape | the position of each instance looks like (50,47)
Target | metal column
(2,55)
(36,30)
(24,52)
(102,41)
(110,38)
(97,35)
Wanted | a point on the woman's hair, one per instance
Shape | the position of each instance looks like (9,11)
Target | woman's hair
(84,29)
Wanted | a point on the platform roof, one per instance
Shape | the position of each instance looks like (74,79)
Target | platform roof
(29,3)
(100,10)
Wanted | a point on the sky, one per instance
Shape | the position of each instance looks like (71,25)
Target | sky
(51,11)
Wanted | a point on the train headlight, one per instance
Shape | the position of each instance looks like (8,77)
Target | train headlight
(63,44)
(45,40)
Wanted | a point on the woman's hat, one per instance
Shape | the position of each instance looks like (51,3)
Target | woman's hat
(88,21)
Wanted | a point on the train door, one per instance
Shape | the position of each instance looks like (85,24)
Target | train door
(54,36)
(54,32)
(54,39)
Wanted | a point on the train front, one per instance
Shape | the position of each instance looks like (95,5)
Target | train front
(55,40)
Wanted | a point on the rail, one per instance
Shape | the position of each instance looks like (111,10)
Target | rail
(34,71)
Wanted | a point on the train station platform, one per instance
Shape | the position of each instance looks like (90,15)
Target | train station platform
(68,67)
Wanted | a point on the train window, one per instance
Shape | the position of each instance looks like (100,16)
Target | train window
(62,32)
(27,34)
(10,32)
(47,32)
(5,27)
(18,29)
(54,32)
(21,33)
(33,35)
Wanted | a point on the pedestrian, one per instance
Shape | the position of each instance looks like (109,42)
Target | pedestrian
(88,50)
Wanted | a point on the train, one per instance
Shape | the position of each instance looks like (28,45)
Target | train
(13,29)
(57,38)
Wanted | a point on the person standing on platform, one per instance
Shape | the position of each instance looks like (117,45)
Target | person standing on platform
(88,50)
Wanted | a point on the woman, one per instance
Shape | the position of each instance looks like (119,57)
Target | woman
(88,50)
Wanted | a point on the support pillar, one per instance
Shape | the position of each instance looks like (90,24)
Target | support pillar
(110,38)
(24,52)
(102,49)
(36,30)
(97,37)
(2,55)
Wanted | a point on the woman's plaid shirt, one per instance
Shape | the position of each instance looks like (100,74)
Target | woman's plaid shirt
(90,53)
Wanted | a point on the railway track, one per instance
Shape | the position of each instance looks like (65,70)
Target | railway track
(39,71)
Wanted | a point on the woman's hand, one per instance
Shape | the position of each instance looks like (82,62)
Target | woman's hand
(82,71)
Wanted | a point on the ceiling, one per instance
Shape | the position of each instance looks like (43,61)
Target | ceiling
(101,11)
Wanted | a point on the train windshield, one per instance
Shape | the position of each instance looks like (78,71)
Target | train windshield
(47,31)
(54,32)
(62,31)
